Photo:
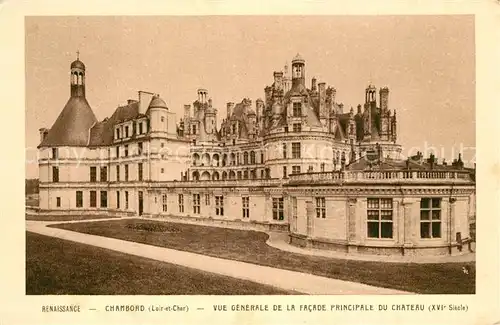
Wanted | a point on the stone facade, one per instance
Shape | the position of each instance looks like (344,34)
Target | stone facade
(294,161)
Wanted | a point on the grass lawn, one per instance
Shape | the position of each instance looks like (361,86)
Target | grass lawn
(56,266)
(66,218)
(250,246)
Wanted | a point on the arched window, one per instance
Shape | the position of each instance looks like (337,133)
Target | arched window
(252,157)
(196,176)
(245,158)
(196,159)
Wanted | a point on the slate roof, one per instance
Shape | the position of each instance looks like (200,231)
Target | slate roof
(72,126)
(103,132)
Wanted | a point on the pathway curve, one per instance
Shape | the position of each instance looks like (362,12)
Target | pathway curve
(284,279)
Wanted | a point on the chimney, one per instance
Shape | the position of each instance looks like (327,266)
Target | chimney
(230,108)
(313,84)
(278,79)
(187,112)
(431,160)
(144,101)
(43,134)
(384,99)
(322,96)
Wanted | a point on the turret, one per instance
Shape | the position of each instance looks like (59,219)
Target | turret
(202,95)
(298,71)
(77,77)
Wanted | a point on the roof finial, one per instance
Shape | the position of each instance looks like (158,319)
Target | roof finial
(78,54)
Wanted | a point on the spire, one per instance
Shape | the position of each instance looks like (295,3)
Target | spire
(78,55)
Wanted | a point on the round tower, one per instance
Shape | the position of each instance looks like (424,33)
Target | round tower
(77,77)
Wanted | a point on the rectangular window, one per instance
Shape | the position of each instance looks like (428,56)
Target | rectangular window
(322,167)
(284,150)
(104,199)
(294,213)
(262,173)
(117,152)
(58,202)
(430,218)
(126,173)
(245,203)
(207,199)
(104,174)
(93,174)
(278,208)
(295,169)
(139,171)
(296,150)
(126,200)
(54,153)
(320,207)
(196,203)
(262,158)
(285,173)
(140,127)
(139,148)
(164,202)
(55,174)
(117,199)
(238,174)
(194,129)
(93,199)
(181,203)
(297,109)
(118,133)
(297,127)
(219,205)
(126,150)
(126,132)
(117,173)
(379,215)
(79,199)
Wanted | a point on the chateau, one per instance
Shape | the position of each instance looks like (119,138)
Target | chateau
(296,161)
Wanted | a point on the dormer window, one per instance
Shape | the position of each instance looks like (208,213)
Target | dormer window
(54,153)
(126,132)
(297,109)
(118,133)
(140,127)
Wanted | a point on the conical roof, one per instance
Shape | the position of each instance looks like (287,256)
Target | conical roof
(72,126)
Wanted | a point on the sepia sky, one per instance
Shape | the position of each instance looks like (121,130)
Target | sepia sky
(428,63)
